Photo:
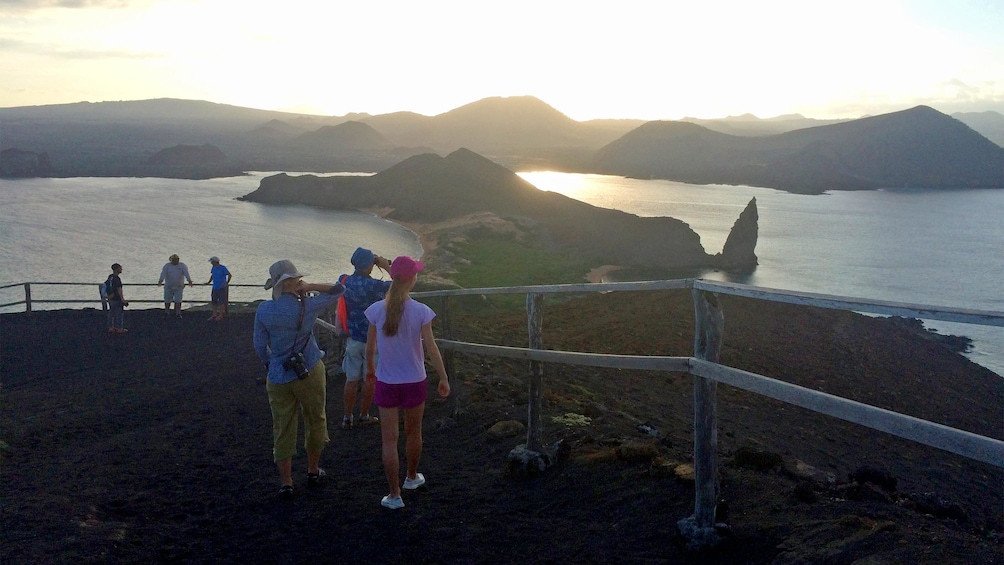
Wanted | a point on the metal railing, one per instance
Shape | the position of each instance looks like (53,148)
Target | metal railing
(29,300)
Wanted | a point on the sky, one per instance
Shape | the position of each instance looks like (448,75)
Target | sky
(656,59)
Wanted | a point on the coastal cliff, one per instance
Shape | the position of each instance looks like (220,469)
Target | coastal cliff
(739,253)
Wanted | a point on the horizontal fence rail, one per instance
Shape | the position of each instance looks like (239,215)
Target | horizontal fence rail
(30,299)
(886,308)
(967,444)
(638,362)
(883,307)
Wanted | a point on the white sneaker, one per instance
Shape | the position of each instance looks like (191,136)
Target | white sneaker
(392,503)
(412,484)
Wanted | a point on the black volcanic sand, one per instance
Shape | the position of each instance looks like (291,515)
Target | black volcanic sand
(155,447)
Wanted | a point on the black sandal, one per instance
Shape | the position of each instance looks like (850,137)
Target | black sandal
(314,479)
(286,492)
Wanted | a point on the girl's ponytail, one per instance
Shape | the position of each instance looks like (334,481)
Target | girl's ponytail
(395,306)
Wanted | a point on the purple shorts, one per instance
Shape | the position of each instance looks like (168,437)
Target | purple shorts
(407,395)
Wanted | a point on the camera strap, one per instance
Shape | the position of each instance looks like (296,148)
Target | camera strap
(299,326)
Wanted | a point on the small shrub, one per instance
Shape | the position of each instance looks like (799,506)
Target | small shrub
(572,420)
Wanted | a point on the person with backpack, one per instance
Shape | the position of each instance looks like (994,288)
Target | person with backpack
(116,301)
(361,291)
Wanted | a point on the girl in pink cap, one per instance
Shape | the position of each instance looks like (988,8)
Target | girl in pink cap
(398,328)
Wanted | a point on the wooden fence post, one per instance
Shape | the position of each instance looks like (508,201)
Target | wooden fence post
(709,323)
(27,297)
(534,315)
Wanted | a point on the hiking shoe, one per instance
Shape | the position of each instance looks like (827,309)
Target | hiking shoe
(314,479)
(412,484)
(367,420)
(392,503)
(346,422)
(286,492)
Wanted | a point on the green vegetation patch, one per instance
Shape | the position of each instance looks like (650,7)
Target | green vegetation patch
(572,420)
(498,261)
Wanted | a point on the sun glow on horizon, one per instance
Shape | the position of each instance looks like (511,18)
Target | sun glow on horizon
(640,60)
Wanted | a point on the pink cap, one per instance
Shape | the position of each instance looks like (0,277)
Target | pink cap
(405,267)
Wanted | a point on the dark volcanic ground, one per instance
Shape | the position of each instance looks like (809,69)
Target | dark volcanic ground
(155,447)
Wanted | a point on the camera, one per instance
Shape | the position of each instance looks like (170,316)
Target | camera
(295,364)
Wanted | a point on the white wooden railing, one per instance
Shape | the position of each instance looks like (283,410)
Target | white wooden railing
(703,365)
(707,372)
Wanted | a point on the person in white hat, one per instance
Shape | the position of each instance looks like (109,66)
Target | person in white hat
(296,383)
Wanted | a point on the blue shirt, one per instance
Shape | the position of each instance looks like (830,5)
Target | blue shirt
(219,274)
(276,336)
(361,291)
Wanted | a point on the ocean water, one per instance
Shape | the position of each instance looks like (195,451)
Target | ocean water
(942,248)
(934,247)
(72,230)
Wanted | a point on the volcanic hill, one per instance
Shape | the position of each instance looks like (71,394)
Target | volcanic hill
(915,148)
(428,189)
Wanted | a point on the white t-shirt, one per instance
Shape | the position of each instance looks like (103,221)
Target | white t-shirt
(402,359)
(174,276)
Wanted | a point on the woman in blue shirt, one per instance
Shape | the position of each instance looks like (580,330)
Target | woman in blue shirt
(284,342)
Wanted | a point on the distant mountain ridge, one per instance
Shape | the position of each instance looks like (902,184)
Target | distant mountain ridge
(345,137)
(988,124)
(914,148)
(520,132)
(750,125)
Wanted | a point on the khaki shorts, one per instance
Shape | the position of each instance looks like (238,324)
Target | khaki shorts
(354,361)
(173,294)
(286,401)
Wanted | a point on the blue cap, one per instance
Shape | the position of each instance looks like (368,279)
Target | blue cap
(363,259)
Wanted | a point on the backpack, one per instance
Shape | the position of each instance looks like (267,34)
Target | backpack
(342,311)
(109,289)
